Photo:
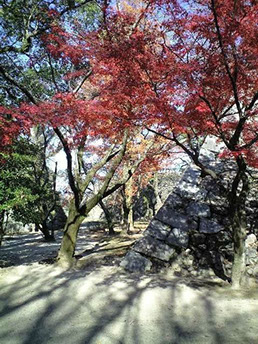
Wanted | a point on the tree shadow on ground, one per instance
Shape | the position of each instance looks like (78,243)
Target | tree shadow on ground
(45,305)
(32,248)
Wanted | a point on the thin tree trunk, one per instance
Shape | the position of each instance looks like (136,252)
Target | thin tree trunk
(108,218)
(45,231)
(1,227)
(122,214)
(158,203)
(130,221)
(150,208)
(125,215)
(128,206)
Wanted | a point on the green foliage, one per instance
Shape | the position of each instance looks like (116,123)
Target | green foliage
(25,190)
(24,58)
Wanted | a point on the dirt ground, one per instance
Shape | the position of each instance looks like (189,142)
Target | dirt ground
(102,304)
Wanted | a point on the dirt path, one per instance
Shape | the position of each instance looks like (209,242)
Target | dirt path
(41,304)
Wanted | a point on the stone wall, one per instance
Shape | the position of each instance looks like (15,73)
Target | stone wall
(191,232)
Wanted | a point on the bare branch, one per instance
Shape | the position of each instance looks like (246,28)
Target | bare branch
(76,90)
(69,167)
(255,98)
(9,78)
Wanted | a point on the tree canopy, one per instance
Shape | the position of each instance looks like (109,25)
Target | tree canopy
(180,70)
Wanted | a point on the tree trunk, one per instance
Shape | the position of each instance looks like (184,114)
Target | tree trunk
(122,214)
(108,218)
(150,208)
(45,231)
(239,236)
(128,206)
(2,227)
(125,215)
(238,196)
(130,221)
(1,233)
(66,253)
(158,203)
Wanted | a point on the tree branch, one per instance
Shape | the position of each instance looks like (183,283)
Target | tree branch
(69,167)
(76,90)
(193,155)
(15,83)
(255,98)
(232,79)
(86,206)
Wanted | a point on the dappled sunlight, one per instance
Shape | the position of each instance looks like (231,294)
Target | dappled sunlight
(44,304)
(101,303)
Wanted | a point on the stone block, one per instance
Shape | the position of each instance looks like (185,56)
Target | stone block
(186,190)
(201,195)
(191,175)
(135,262)
(174,201)
(210,226)
(158,230)
(178,238)
(152,247)
(198,209)
(175,219)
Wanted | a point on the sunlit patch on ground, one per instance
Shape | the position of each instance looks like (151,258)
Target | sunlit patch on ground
(101,303)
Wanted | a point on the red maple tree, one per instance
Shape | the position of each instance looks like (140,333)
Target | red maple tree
(182,69)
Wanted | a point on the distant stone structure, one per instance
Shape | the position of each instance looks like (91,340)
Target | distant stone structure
(191,230)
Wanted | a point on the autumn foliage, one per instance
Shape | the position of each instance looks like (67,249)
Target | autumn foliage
(12,123)
(177,70)
(188,68)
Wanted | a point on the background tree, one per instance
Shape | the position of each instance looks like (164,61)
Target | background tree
(28,193)
(23,49)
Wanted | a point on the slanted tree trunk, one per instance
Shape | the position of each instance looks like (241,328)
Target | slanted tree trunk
(81,204)
(46,233)
(67,249)
(237,200)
